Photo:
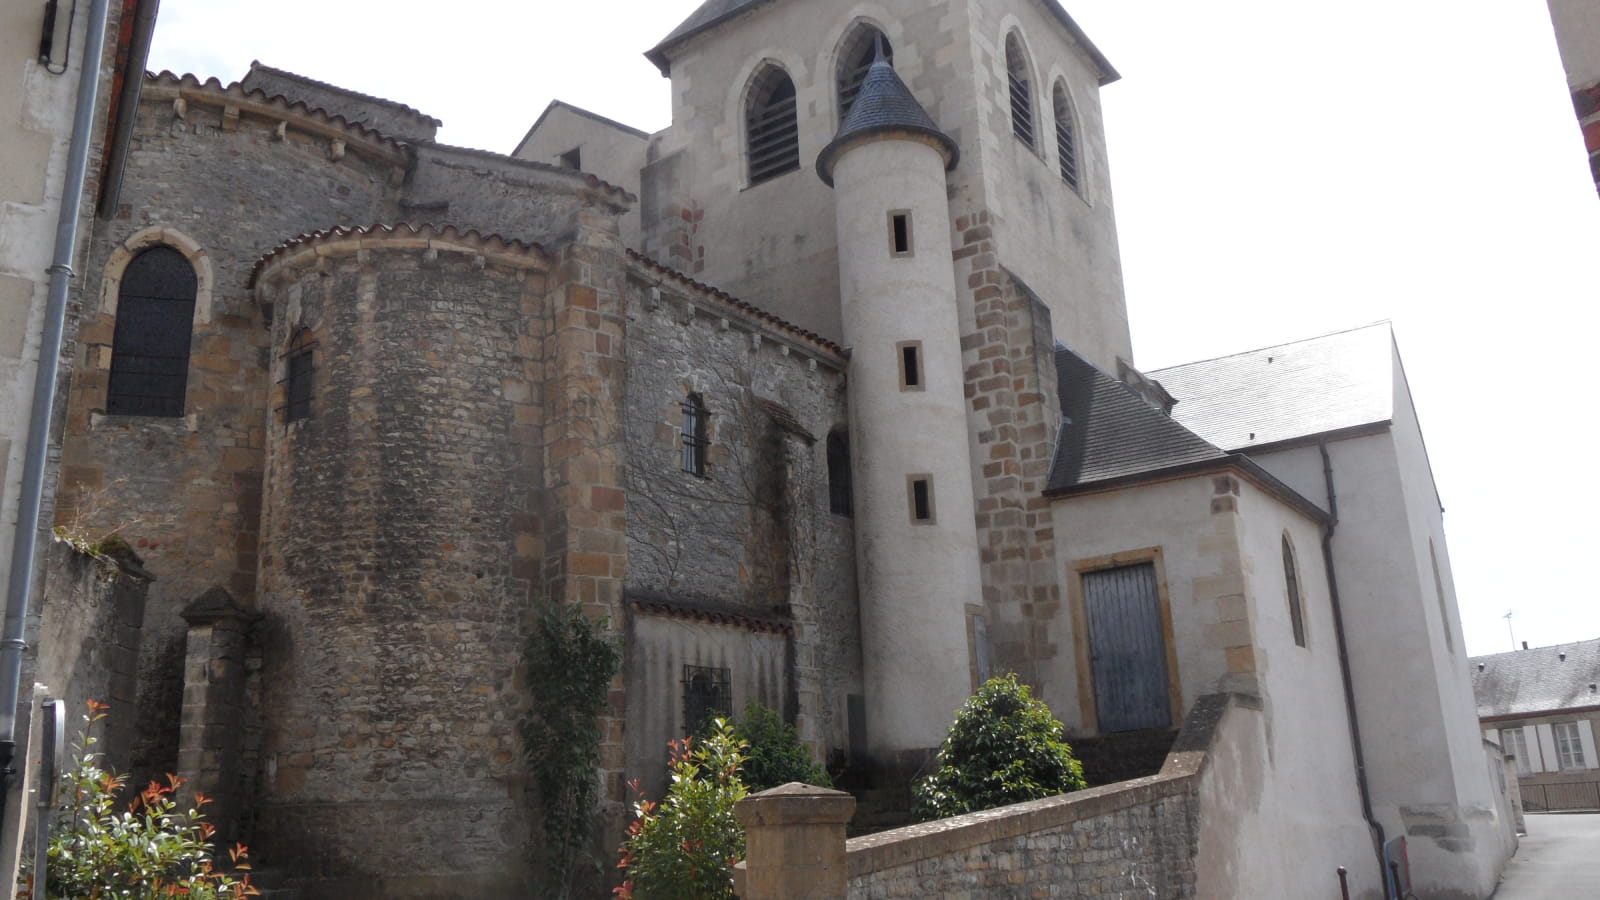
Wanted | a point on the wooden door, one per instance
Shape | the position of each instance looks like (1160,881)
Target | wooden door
(1127,648)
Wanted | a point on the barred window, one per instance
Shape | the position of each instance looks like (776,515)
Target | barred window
(301,376)
(150,347)
(839,486)
(1020,87)
(855,58)
(707,694)
(1066,136)
(772,126)
(694,432)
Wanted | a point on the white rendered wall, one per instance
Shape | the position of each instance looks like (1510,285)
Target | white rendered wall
(915,579)
(1577,24)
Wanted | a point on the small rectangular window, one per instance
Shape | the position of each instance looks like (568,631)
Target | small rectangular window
(707,694)
(910,365)
(300,372)
(920,488)
(900,233)
(695,435)
(572,159)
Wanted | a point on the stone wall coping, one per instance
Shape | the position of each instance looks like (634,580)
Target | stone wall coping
(755,319)
(427,238)
(796,804)
(1180,775)
(168,86)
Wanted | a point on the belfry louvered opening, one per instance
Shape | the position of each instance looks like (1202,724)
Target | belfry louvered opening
(1066,136)
(1020,87)
(855,58)
(772,128)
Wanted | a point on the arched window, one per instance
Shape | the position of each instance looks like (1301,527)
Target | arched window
(1291,577)
(772,128)
(1438,591)
(855,58)
(695,440)
(301,377)
(1066,136)
(1019,85)
(150,347)
(839,487)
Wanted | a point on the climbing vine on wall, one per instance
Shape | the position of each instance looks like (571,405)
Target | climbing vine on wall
(569,661)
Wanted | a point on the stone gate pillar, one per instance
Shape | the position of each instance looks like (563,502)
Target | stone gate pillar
(794,844)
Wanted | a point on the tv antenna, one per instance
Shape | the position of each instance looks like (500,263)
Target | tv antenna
(1509,629)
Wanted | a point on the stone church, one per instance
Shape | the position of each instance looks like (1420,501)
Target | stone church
(823,397)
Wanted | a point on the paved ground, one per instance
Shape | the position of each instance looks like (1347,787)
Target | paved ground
(1559,858)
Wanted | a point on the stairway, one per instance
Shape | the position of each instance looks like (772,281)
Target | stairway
(1110,758)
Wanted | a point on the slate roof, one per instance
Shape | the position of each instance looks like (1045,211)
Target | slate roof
(1526,682)
(884,105)
(1109,432)
(714,12)
(1288,391)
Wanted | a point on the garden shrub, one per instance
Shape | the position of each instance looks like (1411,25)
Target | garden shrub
(1004,747)
(775,755)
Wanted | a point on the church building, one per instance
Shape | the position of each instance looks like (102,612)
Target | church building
(823,397)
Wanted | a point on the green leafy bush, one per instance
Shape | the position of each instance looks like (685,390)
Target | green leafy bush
(1004,747)
(684,847)
(146,849)
(569,663)
(775,755)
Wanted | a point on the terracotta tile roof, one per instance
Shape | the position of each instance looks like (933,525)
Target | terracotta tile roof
(1541,680)
(493,242)
(662,605)
(728,299)
(277,101)
(369,98)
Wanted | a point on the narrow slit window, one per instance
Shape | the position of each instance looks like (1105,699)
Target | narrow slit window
(1291,577)
(1444,605)
(150,346)
(839,487)
(921,491)
(1019,86)
(911,366)
(695,435)
(301,377)
(900,233)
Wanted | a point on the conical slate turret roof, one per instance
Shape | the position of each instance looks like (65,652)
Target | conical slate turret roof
(884,106)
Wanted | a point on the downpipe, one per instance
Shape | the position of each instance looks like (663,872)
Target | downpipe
(31,498)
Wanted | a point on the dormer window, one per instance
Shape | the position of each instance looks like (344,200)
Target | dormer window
(855,58)
(772,127)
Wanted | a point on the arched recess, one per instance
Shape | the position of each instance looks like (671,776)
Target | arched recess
(1019,90)
(1069,156)
(771,125)
(856,54)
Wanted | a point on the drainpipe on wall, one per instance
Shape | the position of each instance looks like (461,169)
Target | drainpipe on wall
(24,543)
(1373,825)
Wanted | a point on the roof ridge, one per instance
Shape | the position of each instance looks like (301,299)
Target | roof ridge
(1488,656)
(1304,340)
(258,64)
(236,88)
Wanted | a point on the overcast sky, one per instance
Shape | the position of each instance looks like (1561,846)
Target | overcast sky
(1278,172)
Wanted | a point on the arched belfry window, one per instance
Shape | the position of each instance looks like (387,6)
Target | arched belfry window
(1019,85)
(150,347)
(855,58)
(1066,136)
(772,127)
(1291,577)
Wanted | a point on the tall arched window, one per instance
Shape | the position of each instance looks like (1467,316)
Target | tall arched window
(772,128)
(150,347)
(1019,84)
(1438,591)
(1291,577)
(695,435)
(855,58)
(840,502)
(1066,135)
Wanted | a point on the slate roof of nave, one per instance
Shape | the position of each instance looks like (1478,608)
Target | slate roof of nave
(258,65)
(713,13)
(1288,391)
(1526,682)
(1109,432)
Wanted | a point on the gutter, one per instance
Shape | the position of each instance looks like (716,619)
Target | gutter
(31,497)
(1373,825)
(129,82)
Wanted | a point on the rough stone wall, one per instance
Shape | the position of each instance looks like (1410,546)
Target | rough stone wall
(519,199)
(752,546)
(396,515)
(187,489)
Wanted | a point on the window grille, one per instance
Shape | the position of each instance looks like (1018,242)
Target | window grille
(150,347)
(772,127)
(1291,577)
(694,433)
(1066,137)
(839,487)
(301,377)
(854,61)
(1021,90)
(707,694)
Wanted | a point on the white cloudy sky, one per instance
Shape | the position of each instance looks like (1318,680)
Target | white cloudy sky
(1280,169)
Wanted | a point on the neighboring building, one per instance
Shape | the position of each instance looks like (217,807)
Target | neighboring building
(1577,24)
(368,396)
(1541,707)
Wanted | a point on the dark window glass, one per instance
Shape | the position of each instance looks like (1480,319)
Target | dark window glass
(301,377)
(1020,87)
(854,61)
(921,500)
(694,435)
(1066,137)
(150,347)
(1291,577)
(901,222)
(772,127)
(910,365)
(707,694)
(839,499)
